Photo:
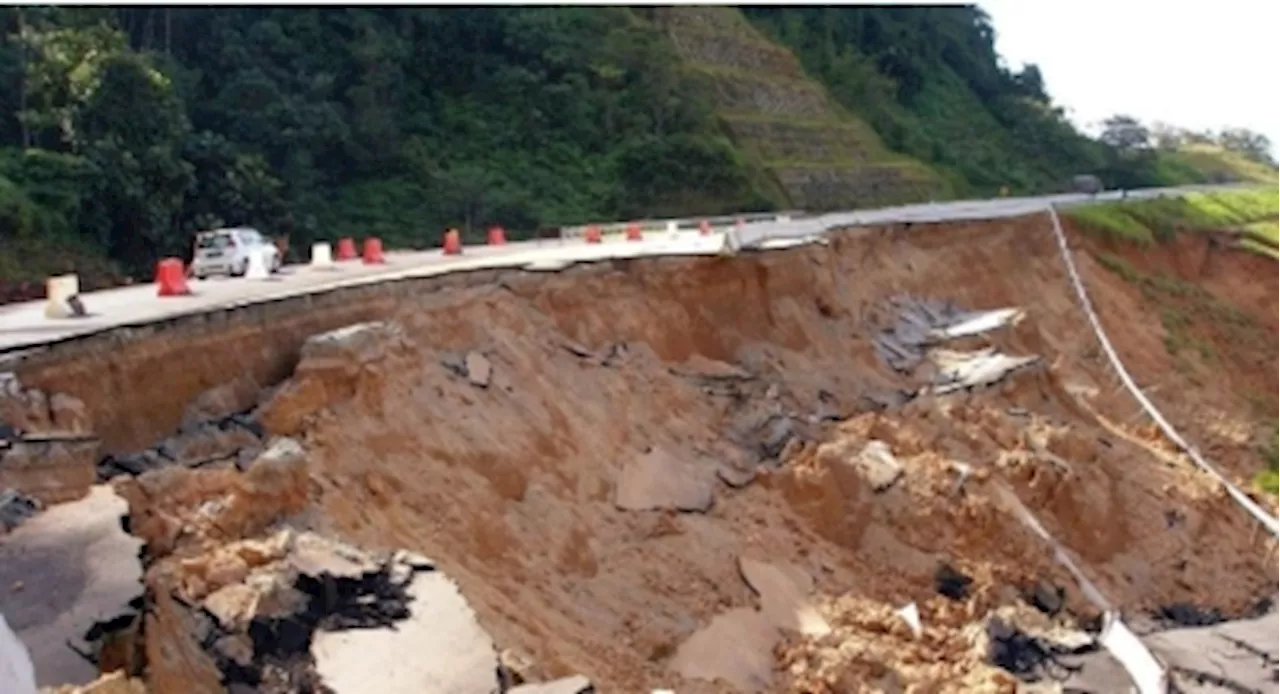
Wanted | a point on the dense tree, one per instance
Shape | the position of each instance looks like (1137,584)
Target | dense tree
(1126,134)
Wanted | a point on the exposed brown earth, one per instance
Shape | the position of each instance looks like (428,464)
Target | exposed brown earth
(490,426)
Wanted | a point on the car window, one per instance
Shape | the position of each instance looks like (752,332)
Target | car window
(218,241)
(250,238)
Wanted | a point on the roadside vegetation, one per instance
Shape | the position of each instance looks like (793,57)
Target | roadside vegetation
(1268,478)
(1249,213)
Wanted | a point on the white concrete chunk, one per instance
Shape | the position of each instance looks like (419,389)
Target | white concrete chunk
(439,649)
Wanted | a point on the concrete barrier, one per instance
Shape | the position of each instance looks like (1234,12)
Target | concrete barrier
(257,269)
(61,294)
(321,256)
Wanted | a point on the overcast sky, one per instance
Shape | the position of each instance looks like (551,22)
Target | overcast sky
(1193,64)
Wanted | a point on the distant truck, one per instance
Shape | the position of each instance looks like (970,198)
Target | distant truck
(1087,184)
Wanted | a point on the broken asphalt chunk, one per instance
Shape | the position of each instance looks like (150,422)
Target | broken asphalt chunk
(951,583)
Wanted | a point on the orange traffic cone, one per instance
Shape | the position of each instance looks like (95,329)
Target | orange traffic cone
(497,236)
(452,242)
(704,228)
(633,233)
(373,251)
(171,278)
(346,249)
(593,234)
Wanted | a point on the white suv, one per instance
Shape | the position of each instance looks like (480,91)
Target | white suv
(226,252)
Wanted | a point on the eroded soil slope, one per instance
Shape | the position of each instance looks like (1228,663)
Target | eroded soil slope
(619,464)
(512,487)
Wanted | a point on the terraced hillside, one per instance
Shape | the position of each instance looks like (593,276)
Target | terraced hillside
(803,149)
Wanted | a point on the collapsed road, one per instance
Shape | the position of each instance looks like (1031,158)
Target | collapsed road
(822,469)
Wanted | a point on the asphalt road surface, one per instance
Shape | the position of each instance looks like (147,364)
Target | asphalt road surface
(24,325)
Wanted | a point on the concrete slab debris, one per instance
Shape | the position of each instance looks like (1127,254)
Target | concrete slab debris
(1229,657)
(975,324)
(438,649)
(959,370)
(919,323)
(84,568)
(660,480)
(576,684)
(784,596)
(736,647)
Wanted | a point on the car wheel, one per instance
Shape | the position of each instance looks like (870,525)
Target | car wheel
(241,269)
(275,264)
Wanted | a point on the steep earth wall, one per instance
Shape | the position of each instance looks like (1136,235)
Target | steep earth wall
(816,156)
(554,441)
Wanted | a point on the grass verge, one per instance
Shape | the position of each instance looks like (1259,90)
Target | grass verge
(1250,213)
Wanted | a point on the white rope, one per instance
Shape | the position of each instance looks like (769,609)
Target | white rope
(1240,497)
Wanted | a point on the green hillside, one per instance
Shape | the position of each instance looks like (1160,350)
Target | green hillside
(804,150)
(124,130)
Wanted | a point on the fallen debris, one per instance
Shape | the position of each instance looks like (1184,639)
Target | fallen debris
(960,370)
(116,682)
(735,477)
(659,480)
(784,591)
(737,647)
(17,674)
(479,369)
(332,367)
(878,465)
(81,571)
(577,684)
(231,441)
(919,325)
(951,583)
(451,653)
(16,507)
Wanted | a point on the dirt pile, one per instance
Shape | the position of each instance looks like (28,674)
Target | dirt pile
(597,456)
(670,374)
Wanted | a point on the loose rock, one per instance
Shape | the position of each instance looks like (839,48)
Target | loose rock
(878,465)
(16,507)
(735,477)
(659,480)
(479,369)
(576,684)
